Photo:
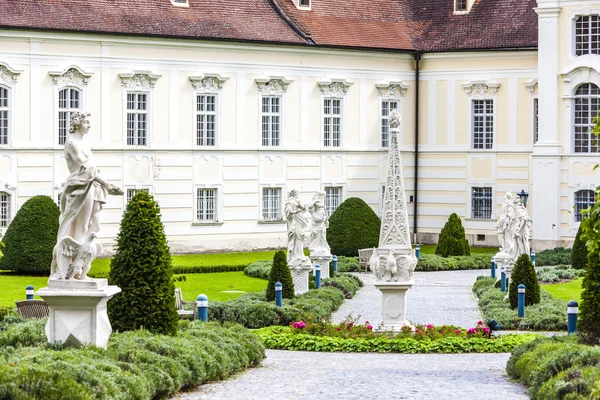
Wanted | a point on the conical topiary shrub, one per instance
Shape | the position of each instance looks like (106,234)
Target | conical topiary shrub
(31,236)
(280,272)
(579,253)
(452,240)
(142,269)
(352,226)
(524,273)
(588,324)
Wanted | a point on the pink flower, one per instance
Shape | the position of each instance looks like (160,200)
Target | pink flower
(366,322)
(324,330)
(296,325)
(339,329)
(429,326)
(486,330)
(457,331)
(369,327)
(480,322)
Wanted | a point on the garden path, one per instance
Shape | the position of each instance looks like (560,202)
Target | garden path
(438,298)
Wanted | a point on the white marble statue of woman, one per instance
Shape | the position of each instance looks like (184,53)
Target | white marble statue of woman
(296,228)
(521,228)
(505,236)
(318,227)
(82,198)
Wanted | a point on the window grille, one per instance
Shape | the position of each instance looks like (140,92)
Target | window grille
(535,121)
(206,116)
(460,5)
(483,124)
(587,103)
(587,35)
(481,202)
(69,100)
(137,119)
(333,198)
(4,114)
(271,199)
(584,199)
(271,120)
(206,205)
(386,107)
(133,192)
(4,209)
(332,111)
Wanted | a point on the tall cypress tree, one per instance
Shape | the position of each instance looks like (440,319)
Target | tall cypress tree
(579,253)
(142,269)
(452,240)
(280,272)
(524,273)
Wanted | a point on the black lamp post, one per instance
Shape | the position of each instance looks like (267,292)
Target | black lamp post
(524,196)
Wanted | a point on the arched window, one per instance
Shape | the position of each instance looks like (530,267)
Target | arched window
(584,199)
(4,209)
(69,99)
(4,113)
(587,103)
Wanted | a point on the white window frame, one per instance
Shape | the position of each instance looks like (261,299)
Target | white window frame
(569,27)
(58,110)
(342,194)
(574,202)
(9,113)
(535,121)
(270,85)
(493,200)
(398,100)
(572,122)
(218,209)
(207,84)
(574,34)
(271,114)
(147,112)
(139,82)
(216,113)
(10,190)
(472,122)
(342,115)
(282,198)
(149,188)
(11,210)
(8,80)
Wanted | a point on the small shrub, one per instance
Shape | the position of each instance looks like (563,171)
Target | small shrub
(579,252)
(556,256)
(259,269)
(548,277)
(142,269)
(352,226)
(31,236)
(452,240)
(348,264)
(589,307)
(280,272)
(524,273)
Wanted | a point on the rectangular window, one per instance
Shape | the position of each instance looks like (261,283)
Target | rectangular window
(271,120)
(206,205)
(460,5)
(4,209)
(587,35)
(69,100)
(137,119)
(333,198)
(481,202)
(483,124)
(332,121)
(206,117)
(4,114)
(535,120)
(271,204)
(133,192)
(584,199)
(386,107)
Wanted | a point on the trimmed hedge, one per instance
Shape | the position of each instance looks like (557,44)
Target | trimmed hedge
(432,262)
(557,368)
(31,237)
(452,240)
(556,256)
(352,226)
(549,315)
(524,273)
(206,269)
(136,365)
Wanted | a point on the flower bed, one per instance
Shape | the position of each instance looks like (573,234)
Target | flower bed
(136,365)
(557,368)
(549,315)
(352,337)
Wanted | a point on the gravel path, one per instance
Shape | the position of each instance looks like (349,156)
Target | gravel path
(305,375)
(439,298)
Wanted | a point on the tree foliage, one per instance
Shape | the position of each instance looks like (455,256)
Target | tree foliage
(352,226)
(524,273)
(589,308)
(31,236)
(579,252)
(452,240)
(142,269)
(280,272)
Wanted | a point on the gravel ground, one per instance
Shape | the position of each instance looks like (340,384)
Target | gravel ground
(305,375)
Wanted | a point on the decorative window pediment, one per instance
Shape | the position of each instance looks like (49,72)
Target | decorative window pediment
(392,89)
(481,88)
(139,79)
(70,75)
(273,84)
(8,74)
(334,87)
(532,86)
(576,77)
(208,82)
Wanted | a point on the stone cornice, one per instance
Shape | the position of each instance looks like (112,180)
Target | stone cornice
(273,84)
(391,88)
(334,86)
(481,88)
(531,85)
(71,74)
(210,82)
(139,79)
(8,74)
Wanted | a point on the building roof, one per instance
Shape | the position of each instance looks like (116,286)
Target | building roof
(427,25)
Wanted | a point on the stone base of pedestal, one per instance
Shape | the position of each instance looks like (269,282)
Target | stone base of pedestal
(300,272)
(393,303)
(323,261)
(78,311)
(504,259)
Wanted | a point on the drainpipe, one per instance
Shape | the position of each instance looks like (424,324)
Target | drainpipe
(416,199)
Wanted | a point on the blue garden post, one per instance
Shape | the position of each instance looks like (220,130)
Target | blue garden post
(502,279)
(335,264)
(532,257)
(521,301)
(279,294)
(29,292)
(318,275)
(418,251)
(493,267)
(572,310)
(202,303)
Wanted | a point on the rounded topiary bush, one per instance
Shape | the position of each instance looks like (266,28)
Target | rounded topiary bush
(142,269)
(452,240)
(579,252)
(31,236)
(524,273)
(352,226)
(280,272)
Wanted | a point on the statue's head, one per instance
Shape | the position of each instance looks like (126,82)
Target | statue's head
(80,121)
(294,193)
(508,195)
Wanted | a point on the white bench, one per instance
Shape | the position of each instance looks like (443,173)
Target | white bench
(180,304)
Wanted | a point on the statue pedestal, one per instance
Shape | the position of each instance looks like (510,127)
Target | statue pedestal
(504,259)
(300,270)
(323,260)
(393,303)
(78,311)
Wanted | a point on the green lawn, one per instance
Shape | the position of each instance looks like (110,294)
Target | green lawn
(13,287)
(565,291)
(219,286)
(430,249)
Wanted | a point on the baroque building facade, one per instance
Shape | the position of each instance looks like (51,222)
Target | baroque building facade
(220,109)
